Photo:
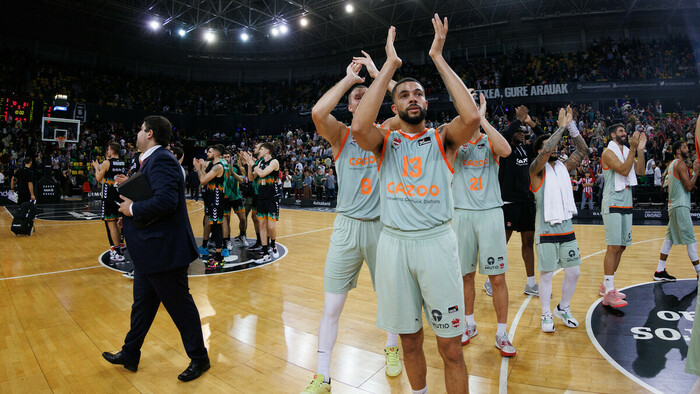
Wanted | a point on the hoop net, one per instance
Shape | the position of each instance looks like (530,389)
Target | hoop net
(61,142)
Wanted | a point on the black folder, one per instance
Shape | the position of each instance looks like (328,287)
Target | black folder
(136,188)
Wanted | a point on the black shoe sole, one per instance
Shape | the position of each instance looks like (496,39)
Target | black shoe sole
(191,378)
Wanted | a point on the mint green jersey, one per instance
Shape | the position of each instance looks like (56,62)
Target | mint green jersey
(415,180)
(615,201)
(677,196)
(475,184)
(546,232)
(358,179)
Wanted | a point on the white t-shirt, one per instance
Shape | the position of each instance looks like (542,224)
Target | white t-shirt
(657,176)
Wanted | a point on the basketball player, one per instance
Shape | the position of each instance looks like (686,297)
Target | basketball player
(617,161)
(232,190)
(356,228)
(478,223)
(265,174)
(212,176)
(417,247)
(680,225)
(253,207)
(518,200)
(555,239)
(112,166)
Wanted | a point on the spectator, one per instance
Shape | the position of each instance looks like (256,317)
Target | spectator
(307,185)
(329,182)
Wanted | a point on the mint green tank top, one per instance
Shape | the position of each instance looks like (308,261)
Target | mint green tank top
(677,196)
(415,180)
(358,180)
(475,184)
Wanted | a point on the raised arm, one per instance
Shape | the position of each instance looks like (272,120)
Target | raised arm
(501,147)
(639,167)
(617,165)
(462,127)
(575,158)
(368,136)
(697,131)
(327,125)
(549,146)
(366,60)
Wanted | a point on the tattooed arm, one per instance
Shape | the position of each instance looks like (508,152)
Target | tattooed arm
(581,151)
(550,145)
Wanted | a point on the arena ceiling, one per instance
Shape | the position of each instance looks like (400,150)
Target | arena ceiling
(331,29)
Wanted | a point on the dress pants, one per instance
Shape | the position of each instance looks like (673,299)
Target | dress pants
(171,288)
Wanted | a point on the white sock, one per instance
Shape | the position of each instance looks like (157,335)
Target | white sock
(531,281)
(661,266)
(546,290)
(609,283)
(392,339)
(502,329)
(568,285)
(323,364)
(423,391)
(697,269)
(328,331)
(470,319)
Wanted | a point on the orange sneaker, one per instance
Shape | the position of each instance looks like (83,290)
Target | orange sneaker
(613,299)
(601,292)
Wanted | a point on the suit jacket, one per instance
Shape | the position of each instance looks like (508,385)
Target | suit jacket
(167,241)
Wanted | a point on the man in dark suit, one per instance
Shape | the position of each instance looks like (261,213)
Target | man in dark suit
(162,246)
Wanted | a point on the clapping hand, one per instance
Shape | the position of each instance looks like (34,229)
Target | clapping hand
(391,56)
(440,28)
(366,61)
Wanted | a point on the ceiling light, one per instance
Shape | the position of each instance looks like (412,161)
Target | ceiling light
(181,32)
(284,29)
(303,22)
(209,37)
(349,8)
(244,37)
(154,25)
(275,32)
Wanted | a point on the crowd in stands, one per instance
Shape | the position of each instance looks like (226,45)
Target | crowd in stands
(605,60)
(306,160)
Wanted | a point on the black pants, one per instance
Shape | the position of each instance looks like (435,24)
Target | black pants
(170,288)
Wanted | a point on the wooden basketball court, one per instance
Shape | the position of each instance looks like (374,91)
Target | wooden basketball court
(60,310)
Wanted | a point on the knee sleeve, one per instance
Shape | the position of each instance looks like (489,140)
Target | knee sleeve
(693,251)
(666,246)
(546,277)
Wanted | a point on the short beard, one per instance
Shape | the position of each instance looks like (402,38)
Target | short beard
(553,158)
(619,141)
(413,119)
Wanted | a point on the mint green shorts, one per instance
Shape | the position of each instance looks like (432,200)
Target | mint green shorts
(618,229)
(352,242)
(419,270)
(481,236)
(554,255)
(680,227)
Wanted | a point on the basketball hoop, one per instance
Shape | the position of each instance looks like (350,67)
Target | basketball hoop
(61,142)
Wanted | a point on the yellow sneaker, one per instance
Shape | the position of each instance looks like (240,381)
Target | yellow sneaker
(318,386)
(393,363)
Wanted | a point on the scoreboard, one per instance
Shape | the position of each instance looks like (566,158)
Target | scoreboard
(17,109)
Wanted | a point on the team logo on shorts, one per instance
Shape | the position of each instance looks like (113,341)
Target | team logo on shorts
(455,323)
(437,315)
(490,261)
(453,309)
(572,253)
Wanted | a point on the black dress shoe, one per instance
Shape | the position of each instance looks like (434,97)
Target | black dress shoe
(118,358)
(194,370)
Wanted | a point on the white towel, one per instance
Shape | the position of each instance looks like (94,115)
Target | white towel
(559,202)
(622,181)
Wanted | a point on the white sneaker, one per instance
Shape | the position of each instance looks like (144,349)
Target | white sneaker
(275,253)
(114,256)
(229,245)
(532,290)
(128,275)
(487,288)
(547,322)
(566,316)
(266,258)
(503,344)
(242,240)
(468,334)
